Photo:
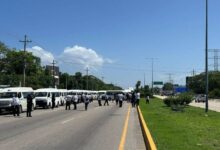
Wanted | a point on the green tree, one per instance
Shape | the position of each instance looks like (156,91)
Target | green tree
(168,87)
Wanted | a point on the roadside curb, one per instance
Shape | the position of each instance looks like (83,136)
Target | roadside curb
(149,142)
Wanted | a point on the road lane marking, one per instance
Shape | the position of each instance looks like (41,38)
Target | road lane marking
(67,120)
(125,129)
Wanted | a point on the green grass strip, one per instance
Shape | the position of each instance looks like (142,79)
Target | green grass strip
(191,129)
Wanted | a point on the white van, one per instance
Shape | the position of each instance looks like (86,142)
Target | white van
(20,93)
(63,94)
(43,97)
(75,94)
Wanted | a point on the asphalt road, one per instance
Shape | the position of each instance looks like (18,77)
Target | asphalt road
(98,128)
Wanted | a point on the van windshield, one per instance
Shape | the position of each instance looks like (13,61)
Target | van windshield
(41,94)
(8,95)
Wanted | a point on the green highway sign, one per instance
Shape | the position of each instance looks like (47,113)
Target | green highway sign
(158,83)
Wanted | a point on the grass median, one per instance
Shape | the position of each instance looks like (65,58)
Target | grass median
(191,129)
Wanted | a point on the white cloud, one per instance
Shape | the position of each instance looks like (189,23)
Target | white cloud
(45,56)
(84,57)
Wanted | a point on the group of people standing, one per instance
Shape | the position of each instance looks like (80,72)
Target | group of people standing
(16,105)
(134,98)
(119,97)
(74,99)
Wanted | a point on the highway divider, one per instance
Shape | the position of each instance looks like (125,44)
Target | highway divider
(149,142)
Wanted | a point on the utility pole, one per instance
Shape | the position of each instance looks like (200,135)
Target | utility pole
(193,73)
(170,78)
(25,41)
(152,72)
(206,58)
(215,58)
(53,63)
(87,80)
(66,82)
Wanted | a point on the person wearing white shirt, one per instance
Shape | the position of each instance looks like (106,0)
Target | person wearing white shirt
(75,100)
(15,105)
(138,96)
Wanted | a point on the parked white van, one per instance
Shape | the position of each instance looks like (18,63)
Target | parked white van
(20,93)
(63,94)
(43,97)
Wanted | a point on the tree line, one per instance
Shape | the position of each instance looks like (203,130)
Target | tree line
(37,76)
(197,84)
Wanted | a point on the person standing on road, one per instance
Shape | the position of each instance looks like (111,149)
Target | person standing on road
(15,106)
(121,97)
(53,100)
(29,105)
(100,100)
(68,101)
(138,96)
(116,99)
(133,99)
(106,100)
(86,101)
(75,101)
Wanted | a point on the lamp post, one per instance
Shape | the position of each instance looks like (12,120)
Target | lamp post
(206,59)
(152,74)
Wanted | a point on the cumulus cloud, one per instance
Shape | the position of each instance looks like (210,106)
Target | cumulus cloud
(45,56)
(84,57)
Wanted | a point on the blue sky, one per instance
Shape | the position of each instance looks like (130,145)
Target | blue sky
(117,34)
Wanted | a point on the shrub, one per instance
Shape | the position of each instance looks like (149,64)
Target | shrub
(185,98)
(168,101)
(215,93)
(178,103)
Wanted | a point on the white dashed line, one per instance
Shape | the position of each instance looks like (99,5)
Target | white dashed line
(66,121)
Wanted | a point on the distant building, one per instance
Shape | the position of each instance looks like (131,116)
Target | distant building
(54,72)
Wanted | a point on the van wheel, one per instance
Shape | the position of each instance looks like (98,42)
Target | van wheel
(58,104)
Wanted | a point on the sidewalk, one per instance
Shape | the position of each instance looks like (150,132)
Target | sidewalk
(160,97)
(213,105)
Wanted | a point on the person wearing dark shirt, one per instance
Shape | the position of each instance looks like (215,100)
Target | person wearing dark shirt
(29,105)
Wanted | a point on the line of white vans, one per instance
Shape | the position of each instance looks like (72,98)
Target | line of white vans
(42,97)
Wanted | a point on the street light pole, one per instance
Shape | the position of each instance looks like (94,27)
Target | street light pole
(152,73)
(206,59)
(152,59)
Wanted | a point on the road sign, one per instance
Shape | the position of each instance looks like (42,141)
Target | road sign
(158,83)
